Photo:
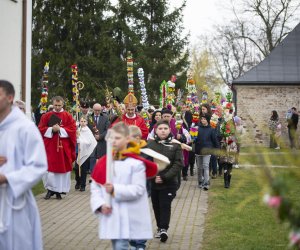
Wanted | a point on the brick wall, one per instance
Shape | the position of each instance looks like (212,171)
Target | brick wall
(254,106)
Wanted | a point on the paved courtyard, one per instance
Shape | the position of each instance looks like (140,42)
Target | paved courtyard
(69,223)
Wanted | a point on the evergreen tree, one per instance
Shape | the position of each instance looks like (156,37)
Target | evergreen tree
(154,35)
(71,32)
(164,49)
(97,36)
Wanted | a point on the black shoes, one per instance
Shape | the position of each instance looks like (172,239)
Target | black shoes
(163,235)
(51,193)
(77,186)
(58,196)
(185,178)
(48,195)
(82,189)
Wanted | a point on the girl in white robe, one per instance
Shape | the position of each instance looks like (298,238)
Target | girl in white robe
(22,146)
(86,144)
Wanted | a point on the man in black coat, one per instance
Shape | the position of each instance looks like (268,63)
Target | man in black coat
(292,126)
(99,124)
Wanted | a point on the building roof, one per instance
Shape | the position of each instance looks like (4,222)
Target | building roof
(281,66)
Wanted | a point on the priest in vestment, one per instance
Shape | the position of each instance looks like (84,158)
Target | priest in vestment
(23,162)
(60,143)
(131,118)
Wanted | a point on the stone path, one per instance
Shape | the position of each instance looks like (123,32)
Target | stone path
(69,223)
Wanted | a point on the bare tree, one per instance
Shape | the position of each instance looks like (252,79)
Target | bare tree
(259,26)
(232,54)
(270,21)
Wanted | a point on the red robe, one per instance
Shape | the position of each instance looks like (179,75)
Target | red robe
(60,151)
(137,121)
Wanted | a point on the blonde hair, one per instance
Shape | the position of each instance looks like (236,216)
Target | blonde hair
(121,128)
(135,131)
(84,117)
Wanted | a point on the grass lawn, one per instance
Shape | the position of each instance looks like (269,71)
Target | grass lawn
(39,188)
(266,156)
(237,218)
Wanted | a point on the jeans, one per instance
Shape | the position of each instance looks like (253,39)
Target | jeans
(161,202)
(138,244)
(120,244)
(203,168)
(213,164)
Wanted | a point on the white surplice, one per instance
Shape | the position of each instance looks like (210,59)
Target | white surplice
(130,217)
(22,145)
(87,144)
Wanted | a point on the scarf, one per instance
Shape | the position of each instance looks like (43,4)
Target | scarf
(133,151)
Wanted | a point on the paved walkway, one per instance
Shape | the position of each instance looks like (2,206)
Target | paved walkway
(70,224)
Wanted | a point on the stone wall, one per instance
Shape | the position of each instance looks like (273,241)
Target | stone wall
(254,105)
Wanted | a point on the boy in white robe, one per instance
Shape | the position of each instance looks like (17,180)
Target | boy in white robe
(128,216)
(23,162)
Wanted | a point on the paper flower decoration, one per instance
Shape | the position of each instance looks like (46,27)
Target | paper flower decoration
(171,91)
(75,91)
(44,94)
(163,94)
(194,133)
(178,121)
(145,102)
(196,114)
(214,121)
(146,118)
(130,72)
(227,128)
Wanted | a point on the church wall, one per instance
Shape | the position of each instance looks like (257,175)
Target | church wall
(254,106)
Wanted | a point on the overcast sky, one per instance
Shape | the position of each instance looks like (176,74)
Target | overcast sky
(201,15)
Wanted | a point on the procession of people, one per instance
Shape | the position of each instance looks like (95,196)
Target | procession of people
(131,152)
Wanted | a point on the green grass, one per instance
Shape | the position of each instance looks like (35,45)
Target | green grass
(238,219)
(39,188)
(266,156)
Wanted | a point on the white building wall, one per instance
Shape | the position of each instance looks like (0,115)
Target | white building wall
(11,43)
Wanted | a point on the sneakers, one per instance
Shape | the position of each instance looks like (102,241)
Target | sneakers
(214,176)
(157,234)
(163,235)
(236,166)
(205,187)
(277,148)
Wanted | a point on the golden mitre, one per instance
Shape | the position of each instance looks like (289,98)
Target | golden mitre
(130,101)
